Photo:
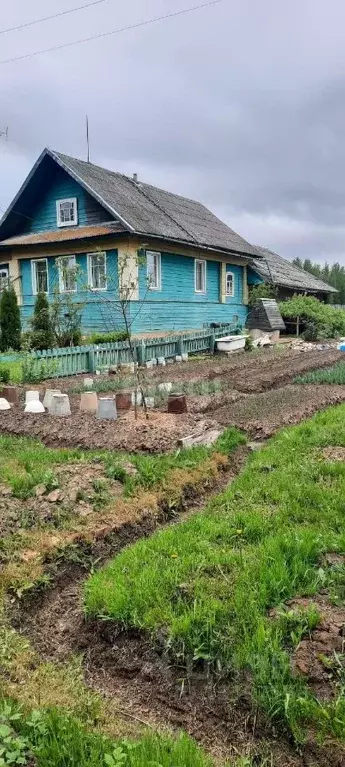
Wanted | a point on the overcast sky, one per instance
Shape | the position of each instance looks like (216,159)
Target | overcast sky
(240,105)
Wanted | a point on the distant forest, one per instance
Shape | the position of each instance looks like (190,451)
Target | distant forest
(334,275)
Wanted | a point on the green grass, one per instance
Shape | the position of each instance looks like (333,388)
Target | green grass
(207,584)
(332,375)
(58,740)
(26,462)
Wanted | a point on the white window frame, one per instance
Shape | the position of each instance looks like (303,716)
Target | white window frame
(4,276)
(230,295)
(156,254)
(34,276)
(62,286)
(89,269)
(58,212)
(204,263)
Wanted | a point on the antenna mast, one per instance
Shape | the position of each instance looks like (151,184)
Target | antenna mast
(87,139)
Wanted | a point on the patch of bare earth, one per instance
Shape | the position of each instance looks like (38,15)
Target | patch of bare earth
(319,657)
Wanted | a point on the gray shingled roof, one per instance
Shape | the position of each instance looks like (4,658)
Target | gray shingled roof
(147,210)
(278,271)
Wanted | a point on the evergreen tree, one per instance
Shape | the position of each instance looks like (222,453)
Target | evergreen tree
(10,321)
(42,330)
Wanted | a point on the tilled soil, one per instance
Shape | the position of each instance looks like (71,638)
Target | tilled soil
(261,415)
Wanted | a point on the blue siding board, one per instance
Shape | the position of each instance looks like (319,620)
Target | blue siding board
(101,310)
(177,306)
(58,187)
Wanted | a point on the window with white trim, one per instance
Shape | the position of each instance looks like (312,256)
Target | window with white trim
(153,261)
(200,276)
(67,212)
(230,284)
(67,274)
(97,270)
(39,275)
(3,277)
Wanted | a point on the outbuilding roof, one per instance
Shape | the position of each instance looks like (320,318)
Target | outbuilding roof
(278,271)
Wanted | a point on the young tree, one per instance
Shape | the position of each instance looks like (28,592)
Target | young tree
(10,320)
(119,311)
(42,330)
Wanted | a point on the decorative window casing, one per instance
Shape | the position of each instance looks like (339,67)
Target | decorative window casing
(97,271)
(40,276)
(230,284)
(200,275)
(4,277)
(67,212)
(67,274)
(154,271)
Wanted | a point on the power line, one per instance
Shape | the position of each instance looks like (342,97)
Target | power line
(53,16)
(113,32)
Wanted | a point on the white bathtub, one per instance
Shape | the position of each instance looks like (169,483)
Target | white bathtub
(231,343)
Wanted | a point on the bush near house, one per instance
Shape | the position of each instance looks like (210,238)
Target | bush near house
(263,290)
(9,321)
(42,336)
(320,320)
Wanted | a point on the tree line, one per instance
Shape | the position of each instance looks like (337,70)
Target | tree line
(334,275)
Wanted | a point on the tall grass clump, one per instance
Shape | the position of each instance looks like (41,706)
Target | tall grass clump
(208,585)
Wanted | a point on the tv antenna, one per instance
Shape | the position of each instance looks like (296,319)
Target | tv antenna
(87,139)
(4,133)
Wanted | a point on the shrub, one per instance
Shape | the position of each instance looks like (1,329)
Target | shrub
(107,338)
(262,290)
(66,313)
(10,321)
(326,320)
(5,374)
(35,370)
(42,330)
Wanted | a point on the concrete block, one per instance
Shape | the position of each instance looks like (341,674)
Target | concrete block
(123,400)
(154,362)
(60,405)
(11,393)
(88,383)
(150,402)
(34,406)
(207,438)
(149,364)
(178,358)
(88,402)
(49,394)
(107,408)
(4,405)
(161,361)
(31,396)
(165,386)
(184,357)
(137,397)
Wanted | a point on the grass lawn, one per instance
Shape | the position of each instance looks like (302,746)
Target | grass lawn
(208,584)
(333,375)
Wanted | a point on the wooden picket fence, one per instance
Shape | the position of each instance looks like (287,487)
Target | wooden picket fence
(72,360)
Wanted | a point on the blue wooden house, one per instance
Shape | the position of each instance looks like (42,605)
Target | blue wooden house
(75,227)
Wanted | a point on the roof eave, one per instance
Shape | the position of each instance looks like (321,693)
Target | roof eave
(198,245)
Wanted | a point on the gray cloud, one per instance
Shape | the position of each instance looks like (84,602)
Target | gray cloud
(241,105)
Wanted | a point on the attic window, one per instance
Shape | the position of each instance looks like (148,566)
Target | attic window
(66,212)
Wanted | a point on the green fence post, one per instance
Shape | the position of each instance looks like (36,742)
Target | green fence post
(141,353)
(212,342)
(179,345)
(91,361)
